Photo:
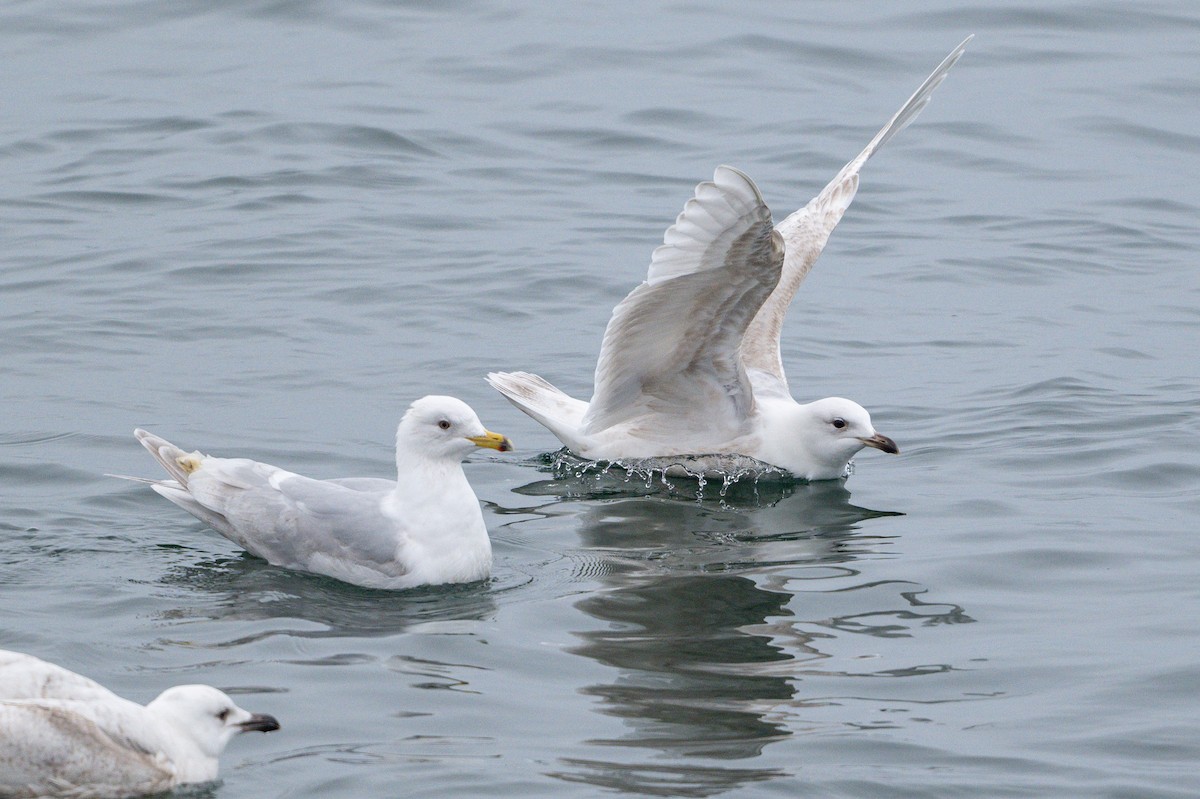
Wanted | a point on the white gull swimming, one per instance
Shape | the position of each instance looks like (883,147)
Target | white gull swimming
(67,736)
(690,364)
(423,528)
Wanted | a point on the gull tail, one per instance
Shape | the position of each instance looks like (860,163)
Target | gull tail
(547,405)
(179,465)
(146,480)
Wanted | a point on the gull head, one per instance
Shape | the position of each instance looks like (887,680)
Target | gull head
(817,440)
(208,717)
(445,428)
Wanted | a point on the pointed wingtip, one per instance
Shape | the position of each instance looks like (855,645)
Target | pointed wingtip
(909,111)
(957,52)
(949,61)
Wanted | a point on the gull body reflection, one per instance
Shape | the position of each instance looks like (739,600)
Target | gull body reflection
(244,588)
(707,627)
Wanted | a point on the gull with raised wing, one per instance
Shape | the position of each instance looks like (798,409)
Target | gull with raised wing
(67,736)
(424,528)
(690,365)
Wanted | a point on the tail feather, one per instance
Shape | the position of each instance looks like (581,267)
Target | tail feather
(179,465)
(176,493)
(546,404)
(132,478)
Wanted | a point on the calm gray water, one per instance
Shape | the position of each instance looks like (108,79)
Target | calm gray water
(263,228)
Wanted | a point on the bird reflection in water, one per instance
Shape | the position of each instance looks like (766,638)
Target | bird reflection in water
(244,588)
(701,604)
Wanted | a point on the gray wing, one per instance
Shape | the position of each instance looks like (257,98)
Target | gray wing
(364,483)
(670,351)
(805,233)
(291,520)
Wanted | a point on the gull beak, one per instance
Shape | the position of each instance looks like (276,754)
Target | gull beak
(492,440)
(882,443)
(259,722)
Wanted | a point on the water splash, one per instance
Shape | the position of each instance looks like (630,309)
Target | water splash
(694,474)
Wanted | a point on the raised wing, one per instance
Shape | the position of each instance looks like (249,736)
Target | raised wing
(671,347)
(805,233)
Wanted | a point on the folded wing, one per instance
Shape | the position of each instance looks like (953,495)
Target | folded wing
(288,519)
(296,522)
(66,747)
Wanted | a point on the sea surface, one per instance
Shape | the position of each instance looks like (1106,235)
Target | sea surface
(261,229)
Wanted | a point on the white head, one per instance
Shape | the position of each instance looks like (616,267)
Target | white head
(208,718)
(823,436)
(444,427)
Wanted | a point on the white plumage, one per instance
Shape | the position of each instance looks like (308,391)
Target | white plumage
(423,528)
(67,736)
(690,363)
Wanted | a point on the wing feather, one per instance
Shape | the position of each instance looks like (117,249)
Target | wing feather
(671,347)
(805,233)
(66,747)
(289,519)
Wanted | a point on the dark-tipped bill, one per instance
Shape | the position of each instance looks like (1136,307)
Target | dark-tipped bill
(882,443)
(492,440)
(259,722)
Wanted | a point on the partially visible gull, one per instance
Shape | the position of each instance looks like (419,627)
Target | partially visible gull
(690,364)
(423,528)
(67,736)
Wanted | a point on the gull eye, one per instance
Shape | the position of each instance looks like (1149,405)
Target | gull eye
(444,424)
(224,714)
(839,423)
